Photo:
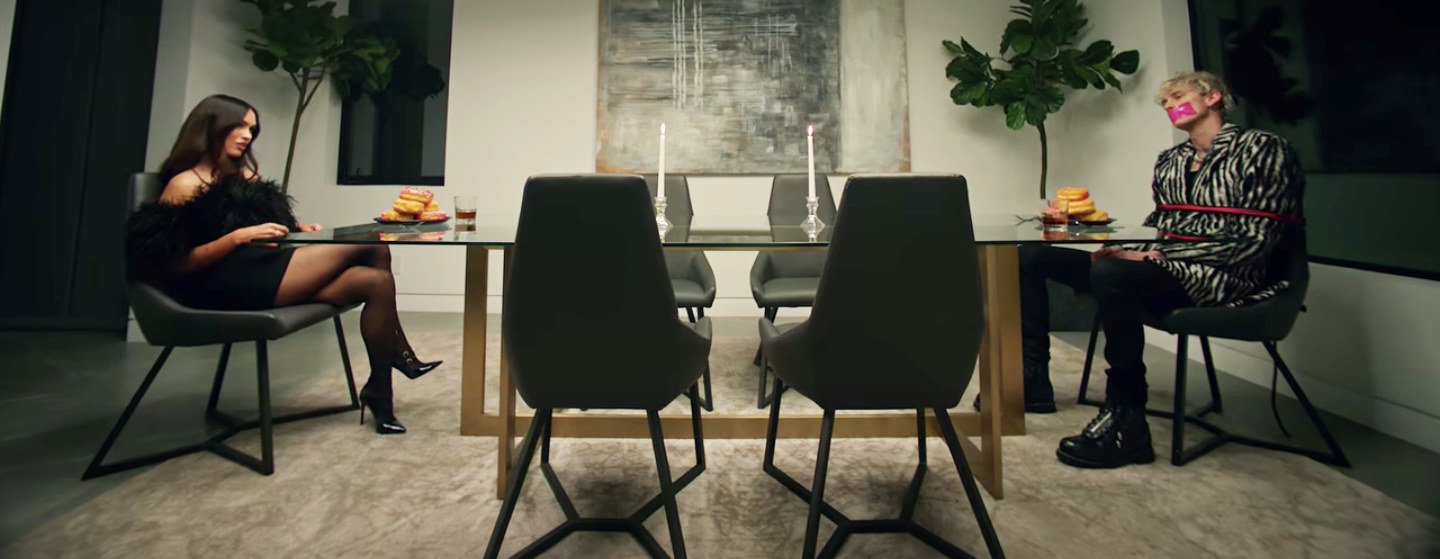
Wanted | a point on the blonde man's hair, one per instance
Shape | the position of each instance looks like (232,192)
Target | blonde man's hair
(1203,83)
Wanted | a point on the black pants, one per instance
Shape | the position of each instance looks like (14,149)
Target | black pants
(1126,291)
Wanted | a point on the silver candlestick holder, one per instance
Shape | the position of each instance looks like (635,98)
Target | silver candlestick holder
(662,223)
(812,225)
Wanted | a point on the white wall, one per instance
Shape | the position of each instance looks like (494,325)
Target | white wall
(7,23)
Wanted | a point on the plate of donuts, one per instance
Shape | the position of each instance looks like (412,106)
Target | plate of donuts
(1082,208)
(414,205)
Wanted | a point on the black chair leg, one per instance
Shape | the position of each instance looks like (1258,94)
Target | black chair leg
(760,400)
(267,442)
(95,468)
(540,420)
(1177,427)
(967,480)
(1215,405)
(709,402)
(690,312)
(345,359)
(1089,360)
(700,311)
(667,491)
(1220,436)
(845,526)
(219,381)
(540,429)
(817,490)
(1337,456)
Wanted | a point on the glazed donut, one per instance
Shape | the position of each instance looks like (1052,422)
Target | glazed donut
(421,195)
(433,216)
(1073,193)
(432,207)
(1096,216)
(1082,207)
(411,207)
(392,215)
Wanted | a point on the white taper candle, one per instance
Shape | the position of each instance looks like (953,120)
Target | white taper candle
(810,139)
(660,184)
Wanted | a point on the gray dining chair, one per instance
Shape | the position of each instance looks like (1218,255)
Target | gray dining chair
(624,349)
(690,274)
(1268,322)
(896,233)
(789,279)
(170,324)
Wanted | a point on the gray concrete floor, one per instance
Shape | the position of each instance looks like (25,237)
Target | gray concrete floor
(60,392)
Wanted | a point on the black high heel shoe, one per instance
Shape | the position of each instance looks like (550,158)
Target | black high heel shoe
(383,409)
(408,365)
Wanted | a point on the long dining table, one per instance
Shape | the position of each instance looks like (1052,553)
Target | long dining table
(1000,377)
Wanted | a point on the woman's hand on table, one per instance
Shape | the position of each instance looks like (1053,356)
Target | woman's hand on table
(244,235)
(310,227)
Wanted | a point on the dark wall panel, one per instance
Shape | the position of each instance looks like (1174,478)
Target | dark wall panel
(74,124)
(119,127)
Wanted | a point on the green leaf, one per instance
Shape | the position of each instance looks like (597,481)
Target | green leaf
(951,46)
(1096,52)
(1126,62)
(1044,50)
(1015,116)
(264,60)
(1072,78)
(971,49)
(1113,81)
(292,67)
(1021,42)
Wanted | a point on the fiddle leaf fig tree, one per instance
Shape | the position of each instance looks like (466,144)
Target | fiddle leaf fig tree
(1041,57)
(309,42)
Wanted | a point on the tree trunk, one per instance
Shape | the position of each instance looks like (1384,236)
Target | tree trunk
(295,128)
(1044,159)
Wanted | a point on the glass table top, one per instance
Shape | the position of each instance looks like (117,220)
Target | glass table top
(714,232)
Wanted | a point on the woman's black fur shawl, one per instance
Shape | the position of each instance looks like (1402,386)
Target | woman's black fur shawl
(160,236)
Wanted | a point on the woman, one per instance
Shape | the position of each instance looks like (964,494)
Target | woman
(195,243)
(1244,185)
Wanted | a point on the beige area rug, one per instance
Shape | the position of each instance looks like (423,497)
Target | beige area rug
(339,490)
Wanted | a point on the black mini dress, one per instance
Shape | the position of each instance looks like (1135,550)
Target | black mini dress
(160,236)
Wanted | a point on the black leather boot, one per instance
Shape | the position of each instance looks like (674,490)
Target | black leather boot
(1039,394)
(1118,436)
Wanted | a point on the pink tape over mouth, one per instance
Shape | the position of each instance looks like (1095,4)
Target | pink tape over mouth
(1180,111)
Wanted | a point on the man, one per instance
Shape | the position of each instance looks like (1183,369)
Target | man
(1244,186)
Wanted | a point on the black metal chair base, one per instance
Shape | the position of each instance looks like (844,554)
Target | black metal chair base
(905,523)
(1179,455)
(264,464)
(540,426)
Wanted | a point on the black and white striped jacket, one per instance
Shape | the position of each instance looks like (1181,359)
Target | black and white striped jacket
(1248,170)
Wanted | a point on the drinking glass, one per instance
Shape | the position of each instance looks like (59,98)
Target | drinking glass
(1055,214)
(465,209)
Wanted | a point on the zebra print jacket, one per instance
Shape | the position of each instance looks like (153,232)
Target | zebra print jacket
(1248,170)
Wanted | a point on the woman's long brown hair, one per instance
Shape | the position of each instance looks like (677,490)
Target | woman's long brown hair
(202,138)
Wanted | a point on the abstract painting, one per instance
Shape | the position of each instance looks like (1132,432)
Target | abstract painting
(737,81)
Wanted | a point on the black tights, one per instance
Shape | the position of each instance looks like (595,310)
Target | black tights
(344,275)
(1126,291)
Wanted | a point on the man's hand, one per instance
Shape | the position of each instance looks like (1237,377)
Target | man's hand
(310,227)
(1105,252)
(1122,254)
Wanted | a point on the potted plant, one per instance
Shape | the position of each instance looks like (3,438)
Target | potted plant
(310,43)
(1041,52)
